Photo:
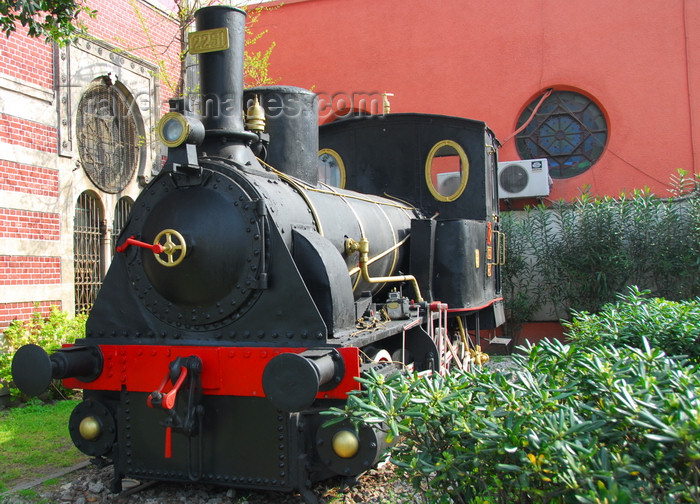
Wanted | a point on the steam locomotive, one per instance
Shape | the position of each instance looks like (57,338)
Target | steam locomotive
(247,294)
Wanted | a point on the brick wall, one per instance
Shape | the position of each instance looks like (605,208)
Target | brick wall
(28,134)
(117,22)
(29,270)
(122,23)
(24,311)
(35,65)
(29,225)
(28,179)
(31,61)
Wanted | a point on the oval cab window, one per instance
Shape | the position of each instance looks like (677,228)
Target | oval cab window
(447,170)
(331,169)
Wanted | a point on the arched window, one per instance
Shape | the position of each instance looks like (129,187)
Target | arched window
(88,231)
(568,129)
(121,214)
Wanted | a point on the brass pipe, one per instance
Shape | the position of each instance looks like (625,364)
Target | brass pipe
(388,251)
(330,190)
(462,332)
(477,355)
(363,248)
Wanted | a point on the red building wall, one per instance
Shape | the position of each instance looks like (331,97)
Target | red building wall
(638,60)
(27,58)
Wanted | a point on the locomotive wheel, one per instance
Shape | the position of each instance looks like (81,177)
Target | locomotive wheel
(378,355)
(399,355)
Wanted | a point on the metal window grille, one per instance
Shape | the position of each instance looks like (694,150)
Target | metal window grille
(121,215)
(568,129)
(87,239)
(108,136)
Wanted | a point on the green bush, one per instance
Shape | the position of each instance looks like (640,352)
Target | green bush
(578,255)
(636,317)
(49,333)
(521,289)
(573,425)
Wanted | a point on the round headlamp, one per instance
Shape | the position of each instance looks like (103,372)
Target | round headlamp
(90,428)
(175,129)
(345,444)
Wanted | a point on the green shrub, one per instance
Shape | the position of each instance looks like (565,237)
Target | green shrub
(669,325)
(572,425)
(49,333)
(578,255)
(521,290)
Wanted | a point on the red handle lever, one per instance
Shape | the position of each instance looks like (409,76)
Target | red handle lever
(168,442)
(167,402)
(156,248)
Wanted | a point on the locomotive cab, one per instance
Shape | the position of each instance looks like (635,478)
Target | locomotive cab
(447,167)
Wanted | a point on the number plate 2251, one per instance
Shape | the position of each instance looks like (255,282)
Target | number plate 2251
(208,40)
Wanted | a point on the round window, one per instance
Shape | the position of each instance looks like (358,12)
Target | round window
(447,170)
(331,169)
(568,129)
(108,137)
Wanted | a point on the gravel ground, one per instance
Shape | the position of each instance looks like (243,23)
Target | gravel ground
(500,363)
(90,484)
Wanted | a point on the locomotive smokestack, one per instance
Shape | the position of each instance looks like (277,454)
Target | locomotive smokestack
(219,42)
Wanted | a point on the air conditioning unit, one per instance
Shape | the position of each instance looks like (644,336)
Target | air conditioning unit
(527,178)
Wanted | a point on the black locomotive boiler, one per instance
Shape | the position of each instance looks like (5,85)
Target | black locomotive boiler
(246,295)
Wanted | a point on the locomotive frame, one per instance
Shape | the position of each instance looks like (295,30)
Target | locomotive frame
(246,297)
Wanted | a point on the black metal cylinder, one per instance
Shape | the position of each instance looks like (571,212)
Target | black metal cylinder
(325,367)
(82,362)
(221,70)
(291,120)
(33,369)
(291,381)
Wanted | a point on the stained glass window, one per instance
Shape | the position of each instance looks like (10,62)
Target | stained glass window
(568,129)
